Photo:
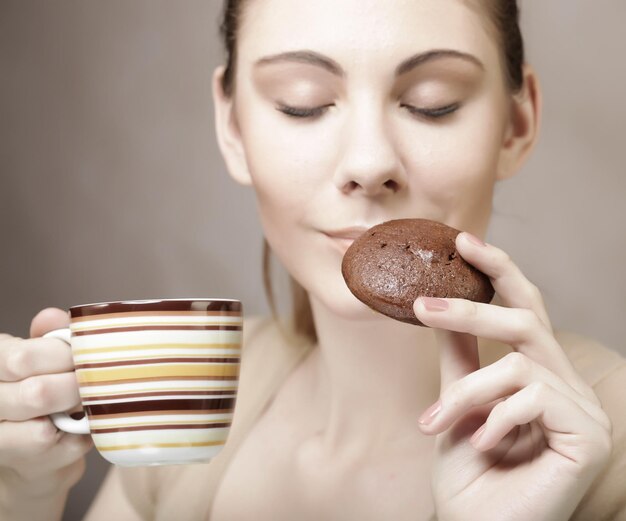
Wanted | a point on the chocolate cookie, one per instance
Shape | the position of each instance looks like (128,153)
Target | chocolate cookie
(395,262)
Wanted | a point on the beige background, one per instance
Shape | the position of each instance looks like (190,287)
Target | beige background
(111,185)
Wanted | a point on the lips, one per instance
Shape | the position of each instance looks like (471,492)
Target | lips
(342,239)
(347,233)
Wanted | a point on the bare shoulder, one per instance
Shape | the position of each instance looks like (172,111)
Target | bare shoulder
(258,333)
(265,331)
(269,352)
(261,337)
(594,361)
(252,328)
(604,369)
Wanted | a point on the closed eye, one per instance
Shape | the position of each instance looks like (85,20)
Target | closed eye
(434,113)
(302,112)
(315,112)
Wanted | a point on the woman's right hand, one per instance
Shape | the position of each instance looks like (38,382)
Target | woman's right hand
(36,379)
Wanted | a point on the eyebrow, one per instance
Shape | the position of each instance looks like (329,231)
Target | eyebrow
(419,59)
(319,60)
(309,57)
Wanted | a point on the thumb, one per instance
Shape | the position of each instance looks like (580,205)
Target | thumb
(47,320)
(458,355)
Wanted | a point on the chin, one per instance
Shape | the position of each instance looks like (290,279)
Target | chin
(338,299)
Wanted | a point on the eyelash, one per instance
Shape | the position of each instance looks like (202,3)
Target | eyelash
(303,113)
(296,112)
(436,113)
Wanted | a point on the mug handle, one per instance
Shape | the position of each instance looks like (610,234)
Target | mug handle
(62,420)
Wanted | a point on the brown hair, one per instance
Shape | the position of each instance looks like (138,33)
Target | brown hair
(504,19)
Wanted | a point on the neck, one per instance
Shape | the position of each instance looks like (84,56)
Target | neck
(371,379)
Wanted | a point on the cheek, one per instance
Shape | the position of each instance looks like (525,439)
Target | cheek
(455,164)
(289,164)
(288,160)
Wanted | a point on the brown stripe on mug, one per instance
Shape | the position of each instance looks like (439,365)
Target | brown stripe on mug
(162,413)
(147,406)
(133,314)
(155,305)
(147,327)
(161,427)
(172,393)
(155,361)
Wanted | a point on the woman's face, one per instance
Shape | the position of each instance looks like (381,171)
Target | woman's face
(355,112)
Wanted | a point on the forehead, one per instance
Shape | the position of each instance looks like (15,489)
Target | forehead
(363,31)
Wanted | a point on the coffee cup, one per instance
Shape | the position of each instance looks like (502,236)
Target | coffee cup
(157,378)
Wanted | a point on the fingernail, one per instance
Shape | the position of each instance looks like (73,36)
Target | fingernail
(429,414)
(474,240)
(434,304)
(476,436)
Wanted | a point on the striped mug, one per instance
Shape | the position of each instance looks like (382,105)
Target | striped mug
(157,378)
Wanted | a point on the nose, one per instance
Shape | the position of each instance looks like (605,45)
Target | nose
(369,161)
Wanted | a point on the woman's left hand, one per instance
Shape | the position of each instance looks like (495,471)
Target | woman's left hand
(524,437)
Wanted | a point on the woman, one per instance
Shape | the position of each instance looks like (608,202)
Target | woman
(341,115)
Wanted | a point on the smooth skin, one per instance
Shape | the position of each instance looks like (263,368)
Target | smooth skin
(430,142)
(527,425)
(38,463)
(352,142)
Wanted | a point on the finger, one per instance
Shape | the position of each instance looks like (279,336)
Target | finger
(19,440)
(519,328)
(47,320)
(20,359)
(514,326)
(38,396)
(67,450)
(568,429)
(458,356)
(508,280)
(501,379)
